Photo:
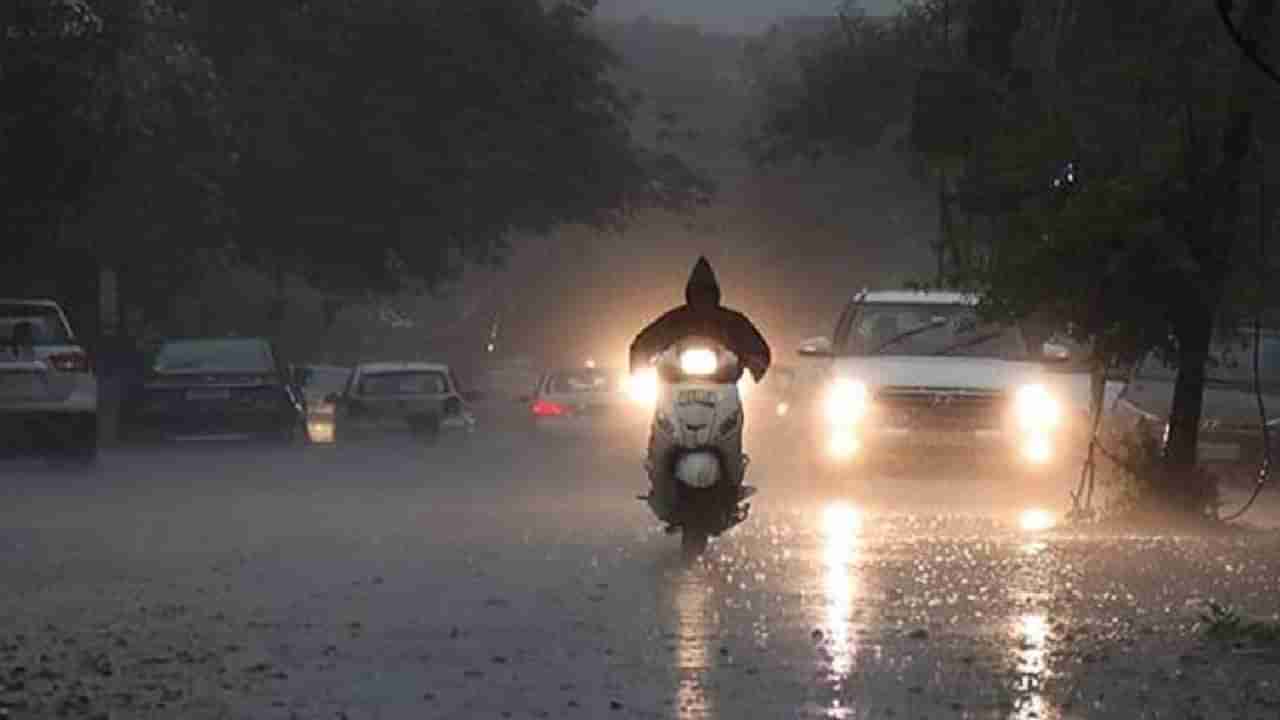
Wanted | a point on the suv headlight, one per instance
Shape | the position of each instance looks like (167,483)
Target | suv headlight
(846,402)
(699,362)
(1036,409)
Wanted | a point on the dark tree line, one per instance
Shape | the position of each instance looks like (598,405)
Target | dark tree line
(366,147)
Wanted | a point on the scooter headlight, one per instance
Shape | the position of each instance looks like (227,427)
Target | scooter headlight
(699,362)
(847,402)
(1036,408)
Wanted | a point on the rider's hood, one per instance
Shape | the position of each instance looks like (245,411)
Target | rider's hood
(702,290)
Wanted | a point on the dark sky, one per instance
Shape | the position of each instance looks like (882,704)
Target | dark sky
(730,15)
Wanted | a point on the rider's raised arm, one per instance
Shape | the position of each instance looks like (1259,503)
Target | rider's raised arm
(658,336)
(751,346)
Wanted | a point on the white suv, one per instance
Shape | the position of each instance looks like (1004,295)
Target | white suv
(913,374)
(48,392)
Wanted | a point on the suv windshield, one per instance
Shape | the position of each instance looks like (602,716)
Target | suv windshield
(1230,362)
(404,383)
(581,381)
(923,329)
(222,355)
(46,323)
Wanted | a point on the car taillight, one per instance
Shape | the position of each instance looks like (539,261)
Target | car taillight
(70,362)
(545,408)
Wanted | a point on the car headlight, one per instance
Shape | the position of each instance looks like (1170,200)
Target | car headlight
(1036,408)
(642,386)
(698,362)
(846,402)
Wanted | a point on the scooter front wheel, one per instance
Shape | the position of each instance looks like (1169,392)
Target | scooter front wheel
(693,543)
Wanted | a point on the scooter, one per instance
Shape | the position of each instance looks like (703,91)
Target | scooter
(695,461)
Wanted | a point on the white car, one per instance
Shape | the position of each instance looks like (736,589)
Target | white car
(48,391)
(421,398)
(914,374)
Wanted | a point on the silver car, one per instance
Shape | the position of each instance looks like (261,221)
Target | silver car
(48,390)
(419,398)
(1230,439)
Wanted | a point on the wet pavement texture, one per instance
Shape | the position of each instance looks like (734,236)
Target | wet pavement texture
(502,575)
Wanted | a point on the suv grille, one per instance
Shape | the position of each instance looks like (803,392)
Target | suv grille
(941,408)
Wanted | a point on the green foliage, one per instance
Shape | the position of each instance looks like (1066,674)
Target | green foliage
(834,93)
(375,146)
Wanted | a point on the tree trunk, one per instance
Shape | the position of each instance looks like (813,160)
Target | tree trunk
(1181,486)
(1213,245)
(279,301)
(944,228)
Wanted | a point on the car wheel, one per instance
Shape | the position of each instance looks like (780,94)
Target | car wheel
(426,429)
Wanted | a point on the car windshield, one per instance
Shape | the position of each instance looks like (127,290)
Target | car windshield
(923,329)
(1230,362)
(223,355)
(46,323)
(582,381)
(404,383)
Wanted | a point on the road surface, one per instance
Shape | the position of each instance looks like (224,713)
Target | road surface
(498,576)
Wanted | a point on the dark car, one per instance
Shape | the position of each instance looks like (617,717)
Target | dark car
(216,389)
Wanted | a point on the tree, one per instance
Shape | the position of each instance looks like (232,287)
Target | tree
(112,145)
(385,144)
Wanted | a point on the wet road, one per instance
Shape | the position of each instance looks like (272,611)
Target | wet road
(496,576)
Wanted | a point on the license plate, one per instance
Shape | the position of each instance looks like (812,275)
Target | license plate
(22,385)
(697,397)
(221,394)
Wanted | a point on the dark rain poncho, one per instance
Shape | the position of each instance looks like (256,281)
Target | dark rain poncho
(703,316)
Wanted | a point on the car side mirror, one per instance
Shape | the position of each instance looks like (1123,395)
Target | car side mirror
(815,347)
(1055,352)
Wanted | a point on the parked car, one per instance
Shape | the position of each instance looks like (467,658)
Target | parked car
(1230,438)
(48,390)
(917,374)
(203,389)
(419,398)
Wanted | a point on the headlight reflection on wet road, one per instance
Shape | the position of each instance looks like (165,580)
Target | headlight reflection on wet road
(841,525)
(1036,520)
(1033,634)
(693,657)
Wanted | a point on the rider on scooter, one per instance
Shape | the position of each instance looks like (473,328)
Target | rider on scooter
(704,316)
